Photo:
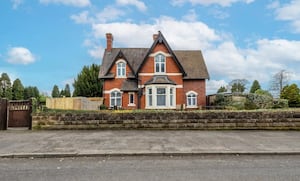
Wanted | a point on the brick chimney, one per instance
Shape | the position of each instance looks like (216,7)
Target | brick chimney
(109,42)
(155,36)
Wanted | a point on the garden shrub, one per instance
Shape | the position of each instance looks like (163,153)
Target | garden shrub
(280,103)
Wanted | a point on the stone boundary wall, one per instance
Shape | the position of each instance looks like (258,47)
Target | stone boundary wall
(201,120)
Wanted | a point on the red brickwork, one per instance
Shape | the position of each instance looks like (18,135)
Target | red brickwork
(145,74)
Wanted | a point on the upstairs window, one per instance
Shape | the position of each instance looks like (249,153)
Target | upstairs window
(160,63)
(121,69)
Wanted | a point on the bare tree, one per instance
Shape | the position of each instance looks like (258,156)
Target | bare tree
(279,80)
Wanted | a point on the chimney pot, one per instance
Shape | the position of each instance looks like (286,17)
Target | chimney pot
(109,42)
(155,36)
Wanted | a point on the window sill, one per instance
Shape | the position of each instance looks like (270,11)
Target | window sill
(131,105)
(159,107)
(192,107)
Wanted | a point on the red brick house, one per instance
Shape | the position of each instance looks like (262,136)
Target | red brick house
(153,78)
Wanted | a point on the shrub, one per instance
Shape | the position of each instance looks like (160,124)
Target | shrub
(280,103)
(258,101)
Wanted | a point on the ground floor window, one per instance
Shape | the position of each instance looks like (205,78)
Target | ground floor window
(131,99)
(191,99)
(160,96)
(115,99)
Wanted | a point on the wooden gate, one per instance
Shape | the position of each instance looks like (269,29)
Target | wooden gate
(19,113)
(3,114)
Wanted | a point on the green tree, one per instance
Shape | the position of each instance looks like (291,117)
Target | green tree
(255,86)
(67,91)
(222,89)
(5,86)
(62,93)
(55,91)
(238,85)
(18,90)
(291,93)
(31,92)
(87,83)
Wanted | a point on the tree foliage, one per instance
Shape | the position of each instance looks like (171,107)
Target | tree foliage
(258,101)
(67,91)
(17,90)
(255,86)
(5,86)
(222,89)
(238,85)
(55,91)
(291,93)
(31,92)
(87,83)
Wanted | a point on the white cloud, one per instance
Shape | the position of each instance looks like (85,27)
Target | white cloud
(213,85)
(16,3)
(138,4)
(109,13)
(288,12)
(223,3)
(186,35)
(82,18)
(96,52)
(76,3)
(20,55)
(261,62)
(94,49)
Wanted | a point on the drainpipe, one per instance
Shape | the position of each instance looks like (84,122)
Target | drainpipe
(140,93)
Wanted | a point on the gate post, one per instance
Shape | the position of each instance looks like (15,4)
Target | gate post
(30,113)
(3,114)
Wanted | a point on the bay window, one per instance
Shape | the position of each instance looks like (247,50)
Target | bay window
(160,97)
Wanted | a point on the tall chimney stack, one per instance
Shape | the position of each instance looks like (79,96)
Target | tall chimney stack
(109,42)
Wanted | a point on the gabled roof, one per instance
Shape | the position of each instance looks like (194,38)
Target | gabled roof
(161,39)
(190,62)
(134,57)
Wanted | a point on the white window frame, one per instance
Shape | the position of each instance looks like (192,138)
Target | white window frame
(192,99)
(115,98)
(129,96)
(169,104)
(122,69)
(160,62)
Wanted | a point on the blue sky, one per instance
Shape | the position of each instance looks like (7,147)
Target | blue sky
(47,42)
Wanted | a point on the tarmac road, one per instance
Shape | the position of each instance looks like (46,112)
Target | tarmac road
(166,168)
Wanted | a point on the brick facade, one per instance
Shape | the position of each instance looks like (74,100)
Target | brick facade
(146,83)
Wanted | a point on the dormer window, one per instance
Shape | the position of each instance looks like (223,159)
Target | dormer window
(121,68)
(160,63)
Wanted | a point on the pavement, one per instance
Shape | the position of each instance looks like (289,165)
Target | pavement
(75,143)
